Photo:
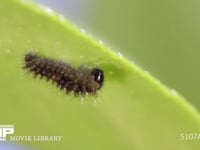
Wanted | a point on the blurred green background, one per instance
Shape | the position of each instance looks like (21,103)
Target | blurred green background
(163,37)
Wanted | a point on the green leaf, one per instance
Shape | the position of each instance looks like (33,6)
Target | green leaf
(137,111)
(159,35)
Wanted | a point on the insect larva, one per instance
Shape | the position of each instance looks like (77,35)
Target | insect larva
(79,80)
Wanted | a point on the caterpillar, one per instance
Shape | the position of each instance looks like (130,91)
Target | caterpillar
(81,80)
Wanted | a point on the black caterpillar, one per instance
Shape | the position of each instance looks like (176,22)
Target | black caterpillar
(80,81)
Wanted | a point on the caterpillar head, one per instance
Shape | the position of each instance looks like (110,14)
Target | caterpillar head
(98,76)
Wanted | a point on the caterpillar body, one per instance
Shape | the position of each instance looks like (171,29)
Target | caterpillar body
(80,81)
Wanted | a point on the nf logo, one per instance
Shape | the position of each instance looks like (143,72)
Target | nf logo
(5,130)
